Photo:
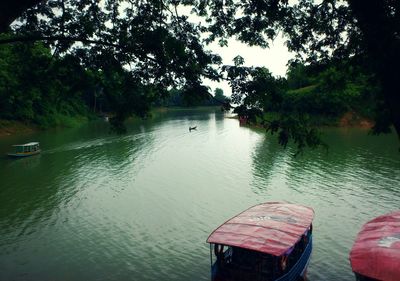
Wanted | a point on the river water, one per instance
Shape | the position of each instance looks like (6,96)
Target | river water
(96,206)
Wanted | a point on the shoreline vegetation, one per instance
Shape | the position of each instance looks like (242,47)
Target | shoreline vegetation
(88,58)
(18,127)
(347,120)
(15,127)
(63,92)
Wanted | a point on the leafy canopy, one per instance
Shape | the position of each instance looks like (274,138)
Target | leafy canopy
(160,48)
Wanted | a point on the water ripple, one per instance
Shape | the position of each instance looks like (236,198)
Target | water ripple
(96,206)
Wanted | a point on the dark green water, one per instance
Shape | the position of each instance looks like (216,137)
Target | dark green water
(95,206)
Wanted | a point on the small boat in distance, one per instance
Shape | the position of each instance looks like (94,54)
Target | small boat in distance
(270,241)
(375,254)
(243,120)
(192,128)
(23,150)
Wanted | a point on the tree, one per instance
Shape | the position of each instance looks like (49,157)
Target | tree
(11,10)
(163,48)
(318,32)
(141,47)
(57,87)
(298,76)
(219,97)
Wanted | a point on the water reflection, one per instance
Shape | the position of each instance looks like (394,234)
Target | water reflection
(95,206)
(44,192)
(355,180)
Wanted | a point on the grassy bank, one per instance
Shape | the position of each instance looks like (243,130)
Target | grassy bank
(14,127)
(349,119)
(62,121)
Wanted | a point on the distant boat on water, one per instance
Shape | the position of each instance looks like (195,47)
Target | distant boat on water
(23,150)
(192,128)
(243,120)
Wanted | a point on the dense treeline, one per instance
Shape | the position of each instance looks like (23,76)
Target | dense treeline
(40,86)
(322,91)
(178,97)
(161,47)
(37,87)
(329,90)
(311,95)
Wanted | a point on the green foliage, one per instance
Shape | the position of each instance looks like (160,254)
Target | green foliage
(36,87)
(337,89)
(187,97)
(279,106)
(131,52)
(299,76)
(321,32)
(295,127)
(59,89)
(59,120)
(219,95)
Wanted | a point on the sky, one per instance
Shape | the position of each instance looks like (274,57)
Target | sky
(274,58)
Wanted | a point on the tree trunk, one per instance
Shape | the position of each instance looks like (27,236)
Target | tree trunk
(380,29)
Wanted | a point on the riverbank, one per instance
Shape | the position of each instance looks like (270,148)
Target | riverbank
(14,127)
(88,185)
(347,120)
(11,127)
(351,119)
(164,109)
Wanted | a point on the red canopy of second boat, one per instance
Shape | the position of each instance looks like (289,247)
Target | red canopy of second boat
(271,228)
(376,251)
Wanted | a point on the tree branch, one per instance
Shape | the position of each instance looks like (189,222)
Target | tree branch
(32,38)
(10,10)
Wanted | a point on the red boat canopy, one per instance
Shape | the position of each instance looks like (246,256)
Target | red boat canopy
(376,252)
(271,228)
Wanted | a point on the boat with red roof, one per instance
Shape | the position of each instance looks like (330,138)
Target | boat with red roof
(269,241)
(375,254)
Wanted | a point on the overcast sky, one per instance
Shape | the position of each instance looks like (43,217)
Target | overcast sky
(274,58)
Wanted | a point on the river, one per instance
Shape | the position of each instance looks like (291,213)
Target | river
(97,206)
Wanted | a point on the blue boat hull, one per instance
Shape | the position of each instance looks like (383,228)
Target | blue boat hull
(23,154)
(300,268)
(297,271)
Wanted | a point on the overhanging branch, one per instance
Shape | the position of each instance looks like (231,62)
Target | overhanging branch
(33,38)
(10,10)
